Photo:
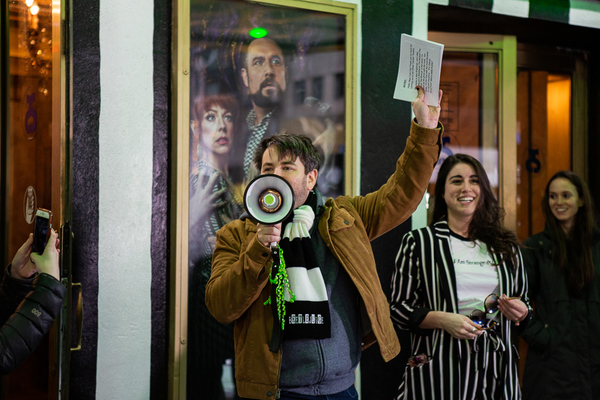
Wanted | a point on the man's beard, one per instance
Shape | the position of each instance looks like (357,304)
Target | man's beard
(301,192)
(270,101)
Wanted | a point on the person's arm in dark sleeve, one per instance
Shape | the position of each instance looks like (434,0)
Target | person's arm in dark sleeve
(24,330)
(12,293)
(537,333)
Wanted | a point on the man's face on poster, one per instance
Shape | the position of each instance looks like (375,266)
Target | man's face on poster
(265,73)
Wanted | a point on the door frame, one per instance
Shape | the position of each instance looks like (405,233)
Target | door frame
(62,162)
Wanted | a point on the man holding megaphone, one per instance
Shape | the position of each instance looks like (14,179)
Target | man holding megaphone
(302,287)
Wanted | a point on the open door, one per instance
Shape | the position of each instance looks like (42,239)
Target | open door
(35,166)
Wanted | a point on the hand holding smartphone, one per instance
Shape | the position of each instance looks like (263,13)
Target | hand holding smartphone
(42,225)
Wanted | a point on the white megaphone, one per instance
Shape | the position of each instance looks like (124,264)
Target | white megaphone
(269,199)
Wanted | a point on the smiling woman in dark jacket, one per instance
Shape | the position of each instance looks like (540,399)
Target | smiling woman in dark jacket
(29,302)
(563,266)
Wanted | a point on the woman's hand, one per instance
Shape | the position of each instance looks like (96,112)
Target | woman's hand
(202,204)
(457,325)
(512,309)
(204,201)
(21,266)
(427,116)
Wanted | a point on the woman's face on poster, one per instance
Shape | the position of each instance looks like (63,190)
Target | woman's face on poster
(216,129)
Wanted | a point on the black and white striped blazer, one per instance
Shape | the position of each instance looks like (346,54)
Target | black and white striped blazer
(424,280)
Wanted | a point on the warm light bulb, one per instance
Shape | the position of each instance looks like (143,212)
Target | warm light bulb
(28,3)
(34,9)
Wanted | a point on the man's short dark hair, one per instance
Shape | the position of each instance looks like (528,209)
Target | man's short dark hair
(296,146)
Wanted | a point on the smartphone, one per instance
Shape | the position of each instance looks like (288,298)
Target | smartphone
(41,229)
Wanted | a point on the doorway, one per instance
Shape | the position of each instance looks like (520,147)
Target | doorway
(551,133)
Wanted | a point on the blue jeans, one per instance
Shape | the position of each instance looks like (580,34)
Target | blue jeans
(348,394)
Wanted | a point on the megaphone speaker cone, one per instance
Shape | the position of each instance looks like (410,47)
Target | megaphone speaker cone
(269,199)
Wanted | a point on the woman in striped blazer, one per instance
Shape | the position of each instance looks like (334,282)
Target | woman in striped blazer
(460,288)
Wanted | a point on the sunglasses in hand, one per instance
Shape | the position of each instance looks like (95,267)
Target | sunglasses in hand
(491,306)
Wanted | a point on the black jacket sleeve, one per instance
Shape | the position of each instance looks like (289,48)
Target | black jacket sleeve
(12,293)
(29,323)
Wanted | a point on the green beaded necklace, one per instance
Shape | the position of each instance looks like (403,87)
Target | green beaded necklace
(282,283)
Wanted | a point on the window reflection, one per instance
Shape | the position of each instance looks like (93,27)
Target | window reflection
(291,79)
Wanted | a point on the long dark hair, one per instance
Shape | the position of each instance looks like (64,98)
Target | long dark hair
(486,224)
(573,250)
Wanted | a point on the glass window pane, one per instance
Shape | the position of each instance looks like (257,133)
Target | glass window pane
(299,92)
(245,86)
(317,88)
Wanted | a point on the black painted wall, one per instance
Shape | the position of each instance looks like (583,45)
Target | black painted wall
(85,124)
(160,200)
(385,128)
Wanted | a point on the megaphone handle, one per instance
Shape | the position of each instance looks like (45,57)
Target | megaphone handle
(275,253)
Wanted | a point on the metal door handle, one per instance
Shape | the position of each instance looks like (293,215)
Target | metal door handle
(79,316)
